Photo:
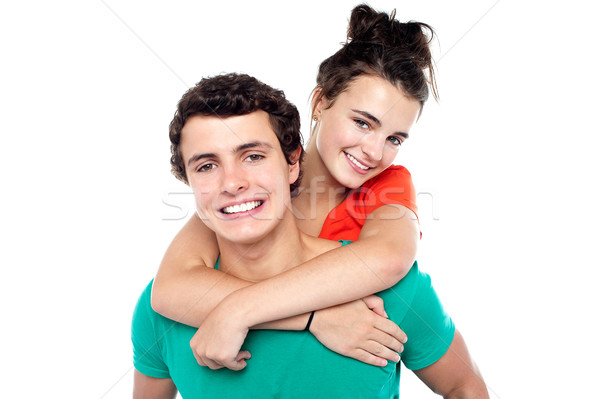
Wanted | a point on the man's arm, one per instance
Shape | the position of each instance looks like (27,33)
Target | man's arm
(455,375)
(145,387)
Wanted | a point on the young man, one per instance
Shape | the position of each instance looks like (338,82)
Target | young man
(241,148)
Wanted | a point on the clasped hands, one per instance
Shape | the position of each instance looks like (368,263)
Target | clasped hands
(359,329)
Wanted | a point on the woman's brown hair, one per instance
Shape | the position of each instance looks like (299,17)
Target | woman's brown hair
(380,45)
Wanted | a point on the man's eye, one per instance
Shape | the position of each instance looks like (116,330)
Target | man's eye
(394,140)
(206,167)
(254,157)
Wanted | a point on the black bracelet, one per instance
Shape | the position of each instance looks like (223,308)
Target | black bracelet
(312,314)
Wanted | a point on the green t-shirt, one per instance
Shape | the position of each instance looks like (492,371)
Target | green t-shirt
(293,364)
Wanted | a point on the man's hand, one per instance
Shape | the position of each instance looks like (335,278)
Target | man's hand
(360,330)
(218,341)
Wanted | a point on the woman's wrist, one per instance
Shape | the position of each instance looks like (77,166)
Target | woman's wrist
(309,322)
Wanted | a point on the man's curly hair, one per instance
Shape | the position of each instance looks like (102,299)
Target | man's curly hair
(231,95)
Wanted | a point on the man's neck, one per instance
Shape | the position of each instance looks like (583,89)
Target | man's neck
(283,248)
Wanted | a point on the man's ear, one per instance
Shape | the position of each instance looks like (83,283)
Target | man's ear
(294,168)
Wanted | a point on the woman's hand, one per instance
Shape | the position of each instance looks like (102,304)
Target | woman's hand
(360,330)
(218,341)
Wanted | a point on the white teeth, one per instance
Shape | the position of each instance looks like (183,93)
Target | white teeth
(245,207)
(355,162)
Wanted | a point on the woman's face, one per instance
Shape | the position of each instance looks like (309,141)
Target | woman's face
(360,134)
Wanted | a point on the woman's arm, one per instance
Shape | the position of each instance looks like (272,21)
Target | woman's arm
(185,289)
(383,254)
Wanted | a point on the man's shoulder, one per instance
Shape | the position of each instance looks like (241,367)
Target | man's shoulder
(143,307)
(143,312)
(400,297)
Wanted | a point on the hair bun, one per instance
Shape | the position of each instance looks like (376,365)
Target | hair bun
(369,26)
(380,45)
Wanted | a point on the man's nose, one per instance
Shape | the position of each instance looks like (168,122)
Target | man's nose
(234,180)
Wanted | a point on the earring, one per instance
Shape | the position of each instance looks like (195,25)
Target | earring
(315,118)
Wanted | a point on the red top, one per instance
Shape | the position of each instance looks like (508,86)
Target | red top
(392,186)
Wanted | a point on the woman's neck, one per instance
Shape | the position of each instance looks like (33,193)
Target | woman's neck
(318,194)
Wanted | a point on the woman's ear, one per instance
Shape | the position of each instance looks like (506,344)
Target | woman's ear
(317,103)
(294,168)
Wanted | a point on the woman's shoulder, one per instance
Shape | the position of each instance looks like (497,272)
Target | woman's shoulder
(393,185)
(392,173)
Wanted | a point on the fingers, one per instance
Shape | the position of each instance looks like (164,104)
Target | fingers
(378,346)
(375,303)
(369,358)
(391,329)
(240,361)
(386,341)
(212,363)
(236,364)
(242,355)
(206,362)
(383,352)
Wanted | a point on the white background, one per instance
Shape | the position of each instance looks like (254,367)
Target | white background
(505,165)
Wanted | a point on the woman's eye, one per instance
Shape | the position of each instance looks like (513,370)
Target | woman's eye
(254,157)
(362,124)
(206,167)
(394,140)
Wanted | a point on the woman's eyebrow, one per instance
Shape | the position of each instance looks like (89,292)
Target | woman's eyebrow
(375,120)
(368,115)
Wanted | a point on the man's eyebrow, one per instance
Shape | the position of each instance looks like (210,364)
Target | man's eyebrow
(252,144)
(197,157)
(241,147)
(376,120)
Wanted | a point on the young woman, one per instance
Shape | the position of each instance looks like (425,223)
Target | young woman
(368,95)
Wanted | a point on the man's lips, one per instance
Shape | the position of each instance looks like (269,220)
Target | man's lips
(241,207)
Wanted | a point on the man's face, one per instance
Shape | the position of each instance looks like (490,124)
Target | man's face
(238,173)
